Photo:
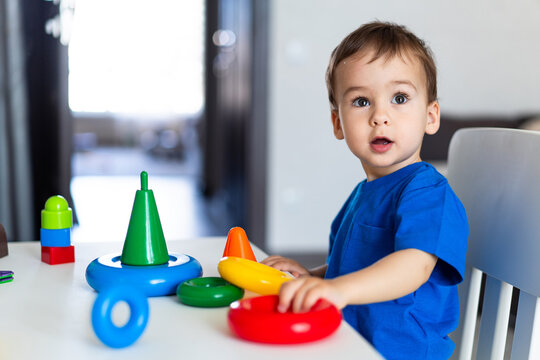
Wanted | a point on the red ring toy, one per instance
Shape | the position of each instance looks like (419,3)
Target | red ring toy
(257,319)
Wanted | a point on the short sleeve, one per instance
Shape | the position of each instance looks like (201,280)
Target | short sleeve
(431,218)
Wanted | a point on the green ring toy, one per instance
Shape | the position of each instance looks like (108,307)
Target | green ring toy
(208,292)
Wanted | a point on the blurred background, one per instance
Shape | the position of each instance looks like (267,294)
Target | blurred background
(223,103)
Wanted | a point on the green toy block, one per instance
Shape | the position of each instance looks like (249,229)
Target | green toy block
(57,214)
(145,242)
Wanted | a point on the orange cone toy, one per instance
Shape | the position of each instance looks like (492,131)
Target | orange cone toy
(238,245)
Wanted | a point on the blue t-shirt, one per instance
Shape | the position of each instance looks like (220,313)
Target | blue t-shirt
(413,207)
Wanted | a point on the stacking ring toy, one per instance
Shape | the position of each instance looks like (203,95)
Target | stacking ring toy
(106,330)
(152,280)
(208,292)
(251,275)
(257,319)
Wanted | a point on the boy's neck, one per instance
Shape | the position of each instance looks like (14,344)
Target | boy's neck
(374,173)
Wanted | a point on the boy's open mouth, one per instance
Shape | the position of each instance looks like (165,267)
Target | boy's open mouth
(381,141)
(381,144)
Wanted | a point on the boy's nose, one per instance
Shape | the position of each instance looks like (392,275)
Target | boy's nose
(380,118)
(380,122)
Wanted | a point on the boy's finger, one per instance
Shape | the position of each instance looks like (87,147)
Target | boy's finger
(273,258)
(299,297)
(311,297)
(286,294)
(284,266)
(268,260)
(276,264)
(297,301)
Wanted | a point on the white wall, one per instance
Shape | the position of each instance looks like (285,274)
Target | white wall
(487,52)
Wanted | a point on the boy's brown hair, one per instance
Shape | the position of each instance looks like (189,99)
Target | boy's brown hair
(386,39)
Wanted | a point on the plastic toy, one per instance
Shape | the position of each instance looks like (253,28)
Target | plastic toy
(238,245)
(55,238)
(141,263)
(208,292)
(55,232)
(156,280)
(56,214)
(251,275)
(144,231)
(57,255)
(104,327)
(7,276)
(3,242)
(257,319)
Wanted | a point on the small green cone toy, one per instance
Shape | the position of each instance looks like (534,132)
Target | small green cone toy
(145,242)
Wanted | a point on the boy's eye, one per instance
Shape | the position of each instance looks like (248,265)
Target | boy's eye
(361,102)
(399,99)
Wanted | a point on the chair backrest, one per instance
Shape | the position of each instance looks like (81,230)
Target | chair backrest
(496,174)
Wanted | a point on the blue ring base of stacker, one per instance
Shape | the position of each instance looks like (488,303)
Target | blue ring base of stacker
(55,237)
(151,280)
(104,327)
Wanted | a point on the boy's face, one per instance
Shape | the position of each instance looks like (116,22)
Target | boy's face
(383,111)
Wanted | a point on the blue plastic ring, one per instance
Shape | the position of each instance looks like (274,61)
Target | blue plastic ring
(152,280)
(106,331)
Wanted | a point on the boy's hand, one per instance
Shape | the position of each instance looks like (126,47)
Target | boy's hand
(285,264)
(301,294)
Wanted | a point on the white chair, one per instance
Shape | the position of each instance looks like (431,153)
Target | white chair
(496,174)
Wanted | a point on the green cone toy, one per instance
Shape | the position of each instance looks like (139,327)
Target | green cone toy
(145,243)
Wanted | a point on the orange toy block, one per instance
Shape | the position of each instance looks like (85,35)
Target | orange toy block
(238,245)
(57,255)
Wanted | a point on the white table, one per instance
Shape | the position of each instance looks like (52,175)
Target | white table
(45,314)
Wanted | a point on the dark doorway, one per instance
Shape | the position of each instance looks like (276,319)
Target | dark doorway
(234,127)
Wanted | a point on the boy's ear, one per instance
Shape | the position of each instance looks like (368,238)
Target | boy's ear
(336,123)
(433,118)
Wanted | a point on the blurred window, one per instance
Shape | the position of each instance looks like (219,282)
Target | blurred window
(134,56)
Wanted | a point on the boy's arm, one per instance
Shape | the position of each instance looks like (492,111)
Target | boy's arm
(394,276)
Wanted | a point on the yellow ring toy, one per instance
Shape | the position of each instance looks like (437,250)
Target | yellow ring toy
(251,275)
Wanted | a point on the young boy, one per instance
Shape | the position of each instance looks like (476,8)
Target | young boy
(397,246)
